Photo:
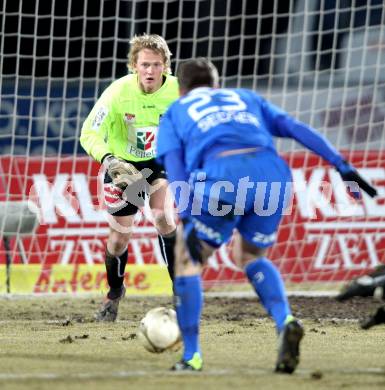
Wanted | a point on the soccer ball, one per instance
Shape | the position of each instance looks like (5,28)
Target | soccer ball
(158,330)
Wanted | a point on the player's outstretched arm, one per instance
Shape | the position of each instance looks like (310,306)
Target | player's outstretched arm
(283,125)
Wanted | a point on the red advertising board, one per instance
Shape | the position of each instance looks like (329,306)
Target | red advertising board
(324,236)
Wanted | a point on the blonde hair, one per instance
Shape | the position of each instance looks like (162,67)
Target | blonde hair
(153,42)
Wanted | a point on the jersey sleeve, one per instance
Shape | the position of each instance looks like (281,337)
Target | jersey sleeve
(95,129)
(281,124)
(168,138)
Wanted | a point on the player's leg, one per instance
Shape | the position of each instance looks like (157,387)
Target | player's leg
(368,285)
(162,207)
(188,296)
(265,279)
(377,318)
(117,253)
(268,284)
(188,287)
(258,228)
(121,218)
(257,234)
(115,263)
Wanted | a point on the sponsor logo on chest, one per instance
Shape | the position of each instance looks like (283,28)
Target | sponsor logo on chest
(129,119)
(142,141)
(145,139)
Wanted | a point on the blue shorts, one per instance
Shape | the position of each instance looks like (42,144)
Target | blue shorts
(248,192)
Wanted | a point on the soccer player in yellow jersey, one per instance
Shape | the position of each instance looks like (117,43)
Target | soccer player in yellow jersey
(120,133)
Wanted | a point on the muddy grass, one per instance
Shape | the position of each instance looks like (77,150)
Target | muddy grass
(54,343)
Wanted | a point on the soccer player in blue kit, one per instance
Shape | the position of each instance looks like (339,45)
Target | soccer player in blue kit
(220,142)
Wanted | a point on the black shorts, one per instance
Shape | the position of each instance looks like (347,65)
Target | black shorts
(127,202)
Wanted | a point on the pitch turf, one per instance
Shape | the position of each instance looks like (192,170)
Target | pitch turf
(53,343)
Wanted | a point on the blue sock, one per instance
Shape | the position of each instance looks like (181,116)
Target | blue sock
(268,284)
(188,306)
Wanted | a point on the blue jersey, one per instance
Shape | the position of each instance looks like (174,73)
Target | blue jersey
(207,121)
(207,117)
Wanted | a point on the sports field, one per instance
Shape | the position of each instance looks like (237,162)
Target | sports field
(53,343)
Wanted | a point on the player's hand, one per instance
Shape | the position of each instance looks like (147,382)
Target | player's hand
(350,174)
(192,241)
(121,172)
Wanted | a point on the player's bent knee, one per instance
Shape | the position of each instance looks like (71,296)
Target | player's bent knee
(117,243)
(164,222)
(249,253)
(184,266)
(187,269)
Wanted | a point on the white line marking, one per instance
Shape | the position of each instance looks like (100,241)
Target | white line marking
(225,294)
(251,294)
(344,225)
(95,231)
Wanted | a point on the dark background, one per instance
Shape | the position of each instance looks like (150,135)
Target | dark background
(71,39)
(57,56)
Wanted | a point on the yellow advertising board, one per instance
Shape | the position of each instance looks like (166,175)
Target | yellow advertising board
(149,279)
